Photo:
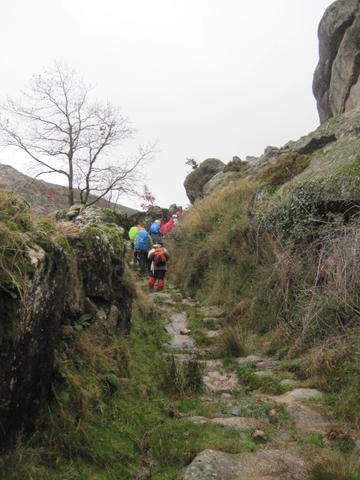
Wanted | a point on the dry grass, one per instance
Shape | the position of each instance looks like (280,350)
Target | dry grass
(143,303)
(340,467)
(286,167)
(94,348)
(233,341)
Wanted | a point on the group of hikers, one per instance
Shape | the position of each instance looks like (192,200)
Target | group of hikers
(149,252)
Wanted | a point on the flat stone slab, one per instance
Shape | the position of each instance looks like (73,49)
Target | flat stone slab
(240,424)
(263,363)
(181,357)
(263,373)
(188,302)
(212,333)
(217,381)
(211,320)
(182,342)
(261,465)
(170,329)
(212,311)
(197,420)
(166,298)
(309,418)
(288,382)
(300,395)
(174,328)
(211,364)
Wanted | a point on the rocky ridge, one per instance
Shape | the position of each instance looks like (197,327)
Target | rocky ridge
(44,197)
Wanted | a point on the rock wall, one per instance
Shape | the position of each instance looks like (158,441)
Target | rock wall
(336,83)
(85,275)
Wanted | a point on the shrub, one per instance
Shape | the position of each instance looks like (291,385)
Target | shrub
(232,341)
(299,216)
(286,167)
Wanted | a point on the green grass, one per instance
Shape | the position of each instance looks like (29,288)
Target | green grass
(112,412)
(264,383)
(195,322)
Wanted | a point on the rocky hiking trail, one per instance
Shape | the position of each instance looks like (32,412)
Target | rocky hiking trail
(287,432)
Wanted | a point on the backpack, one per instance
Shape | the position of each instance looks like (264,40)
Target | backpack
(159,256)
(155,228)
(142,241)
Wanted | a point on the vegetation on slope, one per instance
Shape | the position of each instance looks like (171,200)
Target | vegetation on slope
(285,266)
(114,410)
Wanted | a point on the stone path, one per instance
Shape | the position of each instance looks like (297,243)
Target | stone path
(285,455)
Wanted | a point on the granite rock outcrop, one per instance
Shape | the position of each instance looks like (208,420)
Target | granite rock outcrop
(336,83)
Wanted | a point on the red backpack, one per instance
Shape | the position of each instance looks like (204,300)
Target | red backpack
(159,256)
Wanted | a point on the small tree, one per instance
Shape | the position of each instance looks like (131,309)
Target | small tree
(192,163)
(62,131)
(149,199)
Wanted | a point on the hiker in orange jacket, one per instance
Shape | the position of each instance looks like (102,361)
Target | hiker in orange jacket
(158,257)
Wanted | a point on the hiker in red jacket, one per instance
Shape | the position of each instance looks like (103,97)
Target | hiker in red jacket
(158,257)
(169,225)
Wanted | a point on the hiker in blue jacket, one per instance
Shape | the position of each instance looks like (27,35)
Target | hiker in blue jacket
(143,243)
(155,231)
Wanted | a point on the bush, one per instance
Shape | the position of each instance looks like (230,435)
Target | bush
(232,341)
(299,216)
(286,167)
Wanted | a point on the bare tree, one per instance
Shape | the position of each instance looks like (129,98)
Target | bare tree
(57,125)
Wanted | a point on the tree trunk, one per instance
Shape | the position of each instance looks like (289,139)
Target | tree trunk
(71,194)
(71,188)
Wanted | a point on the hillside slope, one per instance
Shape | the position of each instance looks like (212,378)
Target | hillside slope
(44,197)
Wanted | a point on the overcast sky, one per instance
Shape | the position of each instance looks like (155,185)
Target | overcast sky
(205,78)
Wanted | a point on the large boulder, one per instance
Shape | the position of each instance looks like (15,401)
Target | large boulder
(220,180)
(336,84)
(196,180)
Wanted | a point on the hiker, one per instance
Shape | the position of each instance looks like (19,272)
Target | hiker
(158,256)
(155,231)
(143,243)
(169,226)
(132,236)
(163,229)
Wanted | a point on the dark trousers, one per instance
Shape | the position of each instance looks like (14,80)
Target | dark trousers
(143,261)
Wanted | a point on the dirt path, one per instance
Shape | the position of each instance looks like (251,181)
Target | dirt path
(288,425)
